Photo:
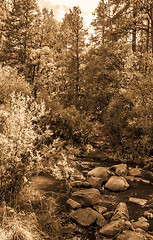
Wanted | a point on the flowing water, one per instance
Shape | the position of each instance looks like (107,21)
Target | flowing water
(50,186)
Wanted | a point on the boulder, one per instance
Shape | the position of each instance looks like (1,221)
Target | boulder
(112,228)
(139,201)
(99,172)
(73,204)
(95,182)
(121,212)
(141,223)
(84,216)
(87,197)
(135,171)
(121,170)
(117,184)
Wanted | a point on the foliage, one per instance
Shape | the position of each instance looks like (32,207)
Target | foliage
(73,40)
(129,114)
(45,208)
(11,81)
(58,94)
(18,33)
(19,226)
(68,124)
(17,141)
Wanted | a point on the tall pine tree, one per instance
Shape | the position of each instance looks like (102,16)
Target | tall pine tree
(73,37)
(19,34)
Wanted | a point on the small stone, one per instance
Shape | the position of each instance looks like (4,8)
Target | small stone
(130,178)
(100,220)
(87,197)
(112,228)
(135,172)
(131,235)
(73,204)
(141,224)
(139,201)
(121,170)
(100,209)
(95,182)
(108,215)
(121,212)
(149,214)
(70,228)
(80,184)
(138,179)
(84,216)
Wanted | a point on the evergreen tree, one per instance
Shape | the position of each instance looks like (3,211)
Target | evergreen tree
(3,14)
(19,34)
(73,41)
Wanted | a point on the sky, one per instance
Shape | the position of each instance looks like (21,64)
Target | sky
(60,7)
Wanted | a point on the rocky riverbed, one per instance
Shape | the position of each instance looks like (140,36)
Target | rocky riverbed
(109,202)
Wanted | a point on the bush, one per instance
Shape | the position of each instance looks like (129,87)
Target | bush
(128,120)
(68,124)
(11,81)
(17,141)
(18,226)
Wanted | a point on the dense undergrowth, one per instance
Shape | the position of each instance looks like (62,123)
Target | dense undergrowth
(46,134)
(65,93)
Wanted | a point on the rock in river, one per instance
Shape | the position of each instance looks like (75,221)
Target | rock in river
(87,197)
(141,223)
(113,228)
(84,216)
(117,184)
(135,172)
(99,172)
(121,170)
(73,204)
(95,182)
(101,221)
(132,235)
(139,201)
(121,212)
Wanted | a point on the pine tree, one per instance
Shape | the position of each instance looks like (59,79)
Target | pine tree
(73,39)
(101,23)
(19,34)
(3,14)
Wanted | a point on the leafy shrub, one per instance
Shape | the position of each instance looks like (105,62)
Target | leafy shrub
(11,81)
(128,120)
(68,124)
(17,140)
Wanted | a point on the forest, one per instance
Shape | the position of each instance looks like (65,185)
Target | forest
(67,91)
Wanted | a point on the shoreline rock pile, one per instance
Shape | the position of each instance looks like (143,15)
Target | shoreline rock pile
(87,208)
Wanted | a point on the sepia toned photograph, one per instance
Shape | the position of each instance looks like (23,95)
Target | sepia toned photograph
(76,119)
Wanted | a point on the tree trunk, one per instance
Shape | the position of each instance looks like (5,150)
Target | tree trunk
(134,28)
(147,40)
(147,44)
(77,60)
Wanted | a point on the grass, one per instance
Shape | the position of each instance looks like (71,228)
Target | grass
(35,218)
